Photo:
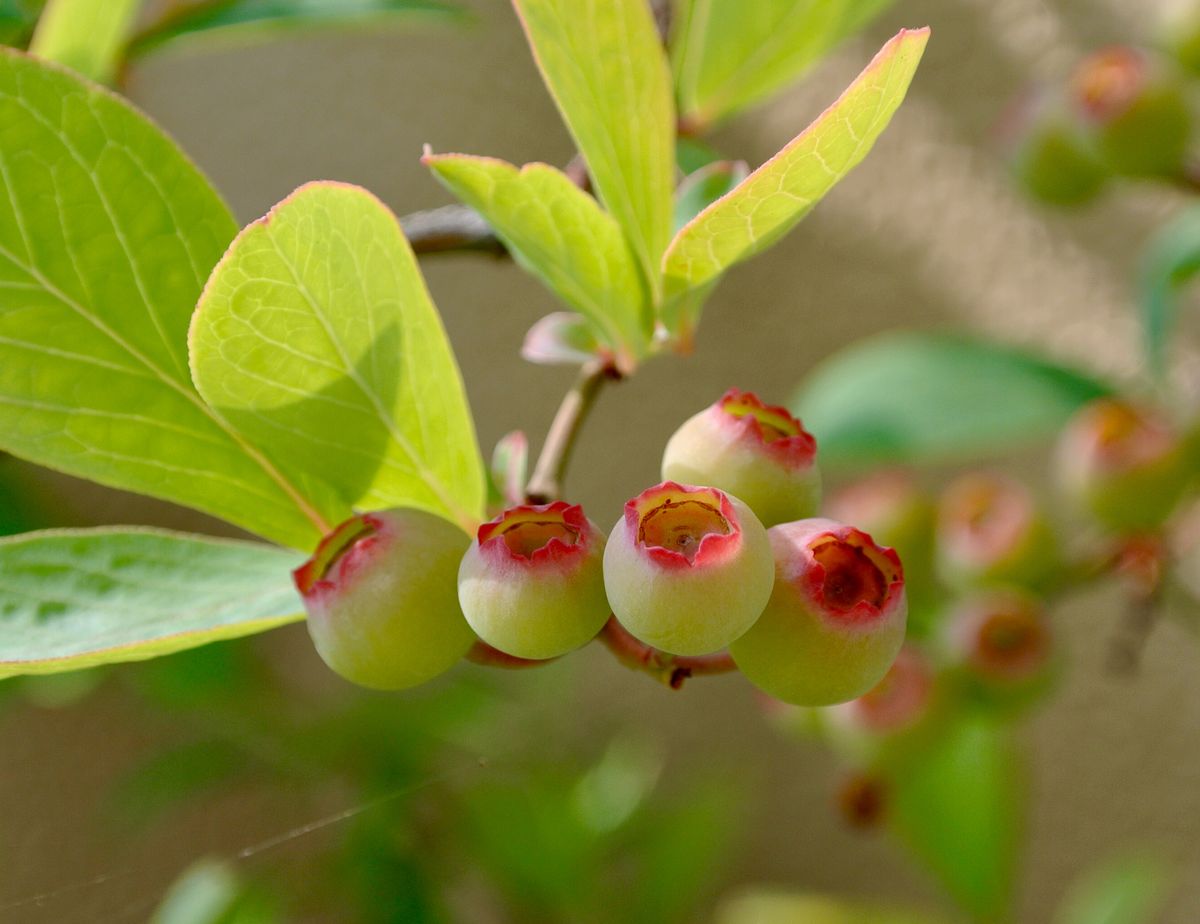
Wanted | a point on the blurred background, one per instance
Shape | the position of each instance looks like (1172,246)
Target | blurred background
(524,796)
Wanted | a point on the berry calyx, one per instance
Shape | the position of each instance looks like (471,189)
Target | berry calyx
(754,451)
(380,594)
(835,620)
(532,584)
(687,569)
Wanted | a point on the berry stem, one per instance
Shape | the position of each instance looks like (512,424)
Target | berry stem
(483,653)
(670,669)
(545,484)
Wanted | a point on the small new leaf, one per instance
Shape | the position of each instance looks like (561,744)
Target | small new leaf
(769,203)
(561,235)
(604,65)
(729,54)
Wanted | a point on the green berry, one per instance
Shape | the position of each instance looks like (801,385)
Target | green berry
(1135,111)
(687,569)
(835,620)
(1127,466)
(756,452)
(1050,155)
(380,593)
(990,531)
(532,582)
(998,645)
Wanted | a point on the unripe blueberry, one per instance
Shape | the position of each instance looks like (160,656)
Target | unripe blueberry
(1000,643)
(892,718)
(990,531)
(1128,467)
(894,705)
(687,569)
(756,452)
(835,620)
(532,582)
(1135,110)
(380,593)
(1049,152)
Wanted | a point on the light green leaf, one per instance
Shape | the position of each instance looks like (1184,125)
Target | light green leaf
(729,54)
(77,598)
(561,235)
(605,67)
(769,203)
(1170,261)
(316,336)
(107,233)
(86,35)
(254,21)
(959,806)
(919,397)
(1128,890)
(774,907)
(706,185)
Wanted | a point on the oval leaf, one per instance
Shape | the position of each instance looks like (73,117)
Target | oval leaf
(769,203)
(562,236)
(77,598)
(915,398)
(959,806)
(1171,260)
(107,233)
(729,54)
(604,65)
(317,337)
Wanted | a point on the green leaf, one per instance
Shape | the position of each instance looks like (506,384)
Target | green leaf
(85,35)
(78,598)
(774,907)
(729,54)
(769,203)
(1170,261)
(920,397)
(561,235)
(107,233)
(254,21)
(959,806)
(316,336)
(704,186)
(17,19)
(1129,890)
(606,70)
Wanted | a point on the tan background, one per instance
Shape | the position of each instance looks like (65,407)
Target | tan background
(927,232)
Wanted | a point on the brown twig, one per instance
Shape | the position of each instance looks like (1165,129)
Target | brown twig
(545,484)
(670,669)
(451,228)
(1141,563)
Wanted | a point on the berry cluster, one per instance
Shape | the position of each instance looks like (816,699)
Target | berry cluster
(725,553)
(984,561)
(1123,112)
